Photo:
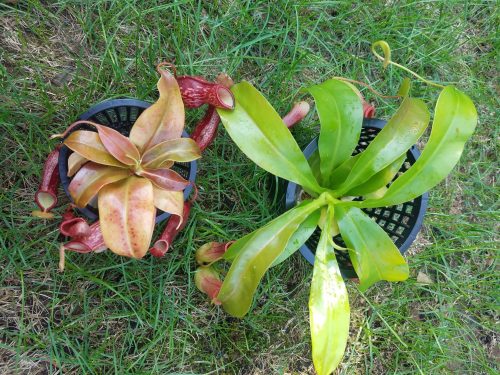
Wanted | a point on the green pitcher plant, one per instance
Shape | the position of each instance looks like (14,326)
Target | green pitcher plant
(338,186)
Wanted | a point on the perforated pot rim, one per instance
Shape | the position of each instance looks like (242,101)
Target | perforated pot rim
(189,170)
(420,203)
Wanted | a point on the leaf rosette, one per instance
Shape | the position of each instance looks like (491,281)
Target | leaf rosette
(131,176)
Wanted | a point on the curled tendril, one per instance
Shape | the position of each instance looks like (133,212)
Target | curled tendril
(386,59)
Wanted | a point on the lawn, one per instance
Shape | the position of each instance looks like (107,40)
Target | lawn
(107,314)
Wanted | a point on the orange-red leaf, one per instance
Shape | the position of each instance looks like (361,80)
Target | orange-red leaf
(169,201)
(162,121)
(181,150)
(165,178)
(118,145)
(89,145)
(91,178)
(127,216)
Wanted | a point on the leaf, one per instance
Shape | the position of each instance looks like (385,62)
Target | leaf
(118,145)
(260,133)
(164,178)
(234,250)
(127,216)
(180,150)
(169,201)
(329,311)
(340,113)
(342,171)
(89,145)
(301,235)
(314,163)
(91,178)
(75,162)
(372,252)
(162,121)
(404,89)
(400,133)
(454,122)
(256,256)
(379,180)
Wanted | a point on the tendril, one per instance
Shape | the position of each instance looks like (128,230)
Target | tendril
(386,59)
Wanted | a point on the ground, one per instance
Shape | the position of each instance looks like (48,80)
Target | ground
(107,314)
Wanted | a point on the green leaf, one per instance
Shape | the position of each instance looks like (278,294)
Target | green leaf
(400,133)
(454,122)
(301,235)
(234,250)
(260,133)
(404,89)
(372,252)
(314,163)
(255,257)
(342,171)
(328,306)
(340,113)
(379,180)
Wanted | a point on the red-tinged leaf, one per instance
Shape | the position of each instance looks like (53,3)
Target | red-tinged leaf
(180,150)
(75,162)
(91,178)
(164,178)
(169,201)
(118,145)
(164,120)
(127,216)
(89,145)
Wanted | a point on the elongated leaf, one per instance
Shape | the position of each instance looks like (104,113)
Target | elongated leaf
(89,145)
(164,178)
(372,252)
(180,150)
(340,113)
(91,178)
(379,180)
(260,133)
(301,235)
(454,122)
(256,256)
(398,135)
(314,163)
(162,121)
(328,306)
(118,145)
(75,162)
(127,216)
(169,201)
(342,171)
(234,250)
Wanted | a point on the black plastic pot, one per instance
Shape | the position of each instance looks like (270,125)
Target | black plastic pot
(119,114)
(401,222)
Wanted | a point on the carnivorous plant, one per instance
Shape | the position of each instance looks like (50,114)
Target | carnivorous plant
(131,176)
(338,187)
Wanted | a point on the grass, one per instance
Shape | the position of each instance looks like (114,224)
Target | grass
(107,314)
